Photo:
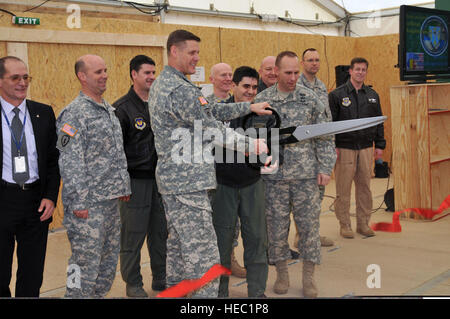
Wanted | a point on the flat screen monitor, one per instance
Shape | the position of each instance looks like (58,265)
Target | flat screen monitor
(423,49)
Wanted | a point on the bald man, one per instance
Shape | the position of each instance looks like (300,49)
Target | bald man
(221,79)
(94,173)
(267,75)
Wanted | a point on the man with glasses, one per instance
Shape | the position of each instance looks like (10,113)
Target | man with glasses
(29,182)
(311,64)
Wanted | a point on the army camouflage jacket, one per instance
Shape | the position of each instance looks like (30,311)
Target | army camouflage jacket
(92,160)
(307,158)
(319,88)
(182,121)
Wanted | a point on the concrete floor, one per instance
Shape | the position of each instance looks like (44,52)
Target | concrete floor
(413,262)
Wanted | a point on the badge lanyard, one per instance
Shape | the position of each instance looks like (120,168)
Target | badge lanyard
(18,145)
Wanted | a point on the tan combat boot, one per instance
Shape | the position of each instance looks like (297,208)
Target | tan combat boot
(346,231)
(236,269)
(309,286)
(326,242)
(296,240)
(365,230)
(281,285)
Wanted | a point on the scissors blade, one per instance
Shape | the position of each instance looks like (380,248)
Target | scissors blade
(331,128)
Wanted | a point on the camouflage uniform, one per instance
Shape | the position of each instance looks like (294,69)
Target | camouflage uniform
(214,99)
(321,90)
(295,182)
(94,172)
(177,106)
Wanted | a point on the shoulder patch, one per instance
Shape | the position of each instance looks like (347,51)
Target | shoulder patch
(203,101)
(63,141)
(69,130)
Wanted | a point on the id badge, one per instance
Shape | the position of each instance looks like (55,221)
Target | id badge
(19,164)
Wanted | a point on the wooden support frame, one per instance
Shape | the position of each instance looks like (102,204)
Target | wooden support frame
(18,35)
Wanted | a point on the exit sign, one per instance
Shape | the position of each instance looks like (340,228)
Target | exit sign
(25,21)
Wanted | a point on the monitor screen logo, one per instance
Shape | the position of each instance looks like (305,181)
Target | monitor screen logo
(434,36)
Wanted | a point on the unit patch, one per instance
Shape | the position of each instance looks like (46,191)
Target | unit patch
(346,101)
(139,123)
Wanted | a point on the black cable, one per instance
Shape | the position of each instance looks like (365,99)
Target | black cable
(6,11)
(309,25)
(153,13)
(40,5)
(155,9)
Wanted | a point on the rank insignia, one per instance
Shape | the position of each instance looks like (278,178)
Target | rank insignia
(202,100)
(346,101)
(139,123)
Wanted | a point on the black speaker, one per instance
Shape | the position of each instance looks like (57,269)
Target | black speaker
(381,170)
(389,200)
(342,74)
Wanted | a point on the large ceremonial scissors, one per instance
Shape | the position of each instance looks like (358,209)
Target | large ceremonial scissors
(294,134)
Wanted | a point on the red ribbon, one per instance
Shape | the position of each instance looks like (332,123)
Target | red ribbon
(187,286)
(426,213)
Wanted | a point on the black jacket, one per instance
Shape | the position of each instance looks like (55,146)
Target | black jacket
(261,86)
(138,136)
(347,104)
(235,174)
(43,120)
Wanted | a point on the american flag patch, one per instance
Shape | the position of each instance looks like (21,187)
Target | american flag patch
(69,130)
(202,100)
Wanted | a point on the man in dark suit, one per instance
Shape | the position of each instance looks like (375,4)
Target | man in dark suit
(29,182)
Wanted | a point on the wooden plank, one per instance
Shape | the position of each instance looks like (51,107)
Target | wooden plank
(420,146)
(439,136)
(400,154)
(410,159)
(95,38)
(421,154)
(236,46)
(440,184)
(438,96)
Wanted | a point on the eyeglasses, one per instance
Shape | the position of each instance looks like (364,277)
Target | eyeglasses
(16,78)
(312,60)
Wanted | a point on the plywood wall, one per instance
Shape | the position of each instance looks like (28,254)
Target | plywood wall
(3,50)
(54,81)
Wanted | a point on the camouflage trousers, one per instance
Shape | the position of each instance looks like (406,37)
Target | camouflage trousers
(302,197)
(95,250)
(192,243)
